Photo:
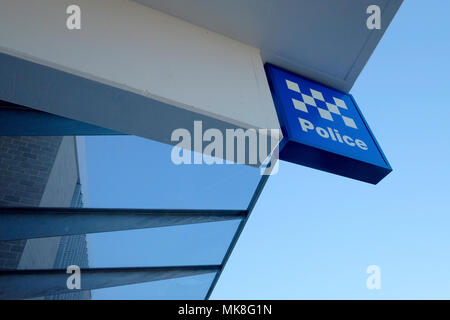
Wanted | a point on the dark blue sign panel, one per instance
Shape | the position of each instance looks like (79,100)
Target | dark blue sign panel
(324,129)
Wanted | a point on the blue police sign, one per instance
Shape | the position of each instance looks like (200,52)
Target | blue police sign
(324,129)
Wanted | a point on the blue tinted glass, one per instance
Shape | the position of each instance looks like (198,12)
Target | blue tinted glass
(46,253)
(195,244)
(189,288)
(132,172)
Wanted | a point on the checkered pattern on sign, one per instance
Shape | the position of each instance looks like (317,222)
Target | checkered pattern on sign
(310,100)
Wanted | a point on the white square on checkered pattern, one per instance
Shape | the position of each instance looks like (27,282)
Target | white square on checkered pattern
(299,105)
(325,114)
(309,100)
(340,103)
(317,95)
(349,122)
(293,86)
(333,108)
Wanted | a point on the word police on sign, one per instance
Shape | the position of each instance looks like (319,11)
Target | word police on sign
(324,129)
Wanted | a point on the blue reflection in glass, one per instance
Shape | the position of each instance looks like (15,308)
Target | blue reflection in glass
(133,172)
(186,288)
(195,244)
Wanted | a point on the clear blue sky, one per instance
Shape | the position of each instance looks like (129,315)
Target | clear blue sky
(312,234)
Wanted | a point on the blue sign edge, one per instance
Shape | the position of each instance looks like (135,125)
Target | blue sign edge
(282,120)
(388,165)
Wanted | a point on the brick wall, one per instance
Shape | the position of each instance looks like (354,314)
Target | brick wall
(25,165)
(39,171)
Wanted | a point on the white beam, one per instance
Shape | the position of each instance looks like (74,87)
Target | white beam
(141,51)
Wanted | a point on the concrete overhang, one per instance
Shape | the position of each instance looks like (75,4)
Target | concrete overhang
(130,68)
(149,67)
(325,40)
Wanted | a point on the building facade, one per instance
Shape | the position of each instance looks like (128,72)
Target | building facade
(42,171)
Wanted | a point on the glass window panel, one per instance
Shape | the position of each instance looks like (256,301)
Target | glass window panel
(189,288)
(122,172)
(45,253)
(132,172)
(195,244)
